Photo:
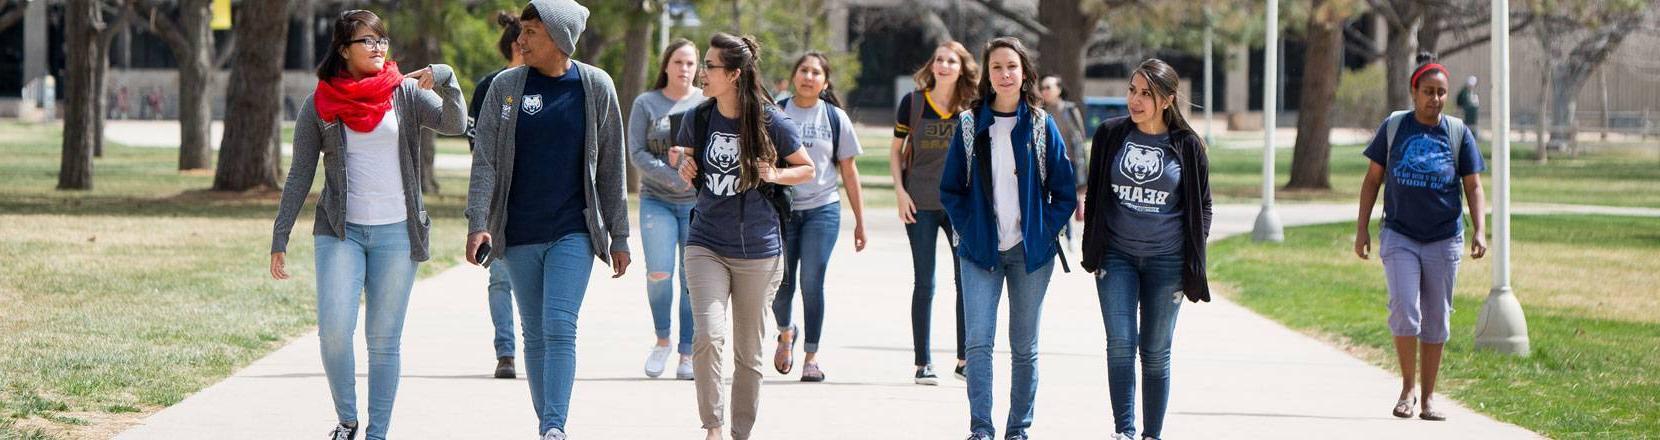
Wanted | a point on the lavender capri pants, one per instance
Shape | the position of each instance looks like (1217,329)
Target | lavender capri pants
(1421,278)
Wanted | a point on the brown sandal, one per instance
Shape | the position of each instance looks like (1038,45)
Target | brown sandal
(783,359)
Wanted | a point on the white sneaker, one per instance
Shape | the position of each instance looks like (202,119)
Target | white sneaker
(656,360)
(685,370)
(554,434)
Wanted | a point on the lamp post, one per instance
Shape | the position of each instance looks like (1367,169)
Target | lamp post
(1501,327)
(675,13)
(1268,222)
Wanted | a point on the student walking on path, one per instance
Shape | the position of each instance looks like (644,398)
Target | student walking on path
(1426,161)
(500,288)
(1145,239)
(1008,187)
(666,201)
(922,133)
(815,218)
(547,193)
(370,233)
(744,152)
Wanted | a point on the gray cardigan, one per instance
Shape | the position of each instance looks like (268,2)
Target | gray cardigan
(604,192)
(441,109)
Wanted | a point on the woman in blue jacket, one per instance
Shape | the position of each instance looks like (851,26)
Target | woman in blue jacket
(1008,187)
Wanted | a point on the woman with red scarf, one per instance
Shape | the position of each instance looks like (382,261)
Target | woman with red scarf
(365,121)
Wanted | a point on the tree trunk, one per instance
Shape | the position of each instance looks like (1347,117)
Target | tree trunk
(426,50)
(1399,56)
(1311,157)
(1564,106)
(1543,155)
(195,82)
(636,64)
(80,95)
(1062,48)
(248,157)
(306,10)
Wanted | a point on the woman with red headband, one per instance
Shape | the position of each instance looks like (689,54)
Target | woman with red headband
(1427,160)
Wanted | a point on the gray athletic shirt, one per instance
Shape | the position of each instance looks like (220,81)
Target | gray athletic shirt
(814,123)
(649,139)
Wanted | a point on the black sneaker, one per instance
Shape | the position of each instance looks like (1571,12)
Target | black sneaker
(925,376)
(1021,436)
(978,436)
(962,372)
(504,368)
(343,432)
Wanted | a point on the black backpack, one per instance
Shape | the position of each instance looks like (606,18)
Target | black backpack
(779,196)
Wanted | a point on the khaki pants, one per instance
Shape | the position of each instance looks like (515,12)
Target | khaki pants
(746,287)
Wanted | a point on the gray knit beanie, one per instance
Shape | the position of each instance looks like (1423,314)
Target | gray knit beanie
(565,20)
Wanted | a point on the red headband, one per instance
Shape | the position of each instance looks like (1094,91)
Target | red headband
(1425,69)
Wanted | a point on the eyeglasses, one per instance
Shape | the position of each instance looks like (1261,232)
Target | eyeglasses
(373,42)
(712,66)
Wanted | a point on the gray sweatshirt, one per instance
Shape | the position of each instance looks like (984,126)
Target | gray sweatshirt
(649,136)
(605,191)
(441,109)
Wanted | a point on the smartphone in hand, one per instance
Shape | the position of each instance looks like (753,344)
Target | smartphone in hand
(483,253)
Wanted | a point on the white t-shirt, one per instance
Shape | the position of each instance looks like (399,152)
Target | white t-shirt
(814,123)
(374,183)
(1005,183)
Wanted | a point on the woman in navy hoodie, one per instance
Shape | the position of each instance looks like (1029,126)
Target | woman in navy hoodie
(1008,187)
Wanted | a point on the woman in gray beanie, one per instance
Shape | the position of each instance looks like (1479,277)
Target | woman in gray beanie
(562,206)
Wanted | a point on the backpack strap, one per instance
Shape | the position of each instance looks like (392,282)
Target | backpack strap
(1455,139)
(700,129)
(919,99)
(835,132)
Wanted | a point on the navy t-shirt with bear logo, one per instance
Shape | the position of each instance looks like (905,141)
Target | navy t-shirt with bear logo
(1146,177)
(727,221)
(1422,191)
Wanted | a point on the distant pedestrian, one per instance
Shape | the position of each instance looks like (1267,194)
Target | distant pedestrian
(1470,102)
(500,287)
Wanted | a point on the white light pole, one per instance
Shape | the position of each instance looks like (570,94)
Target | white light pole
(1268,223)
(1501,326)
(1209,122)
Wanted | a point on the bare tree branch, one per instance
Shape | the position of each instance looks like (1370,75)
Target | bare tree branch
(160,25)
(1024,19)
(1485,37)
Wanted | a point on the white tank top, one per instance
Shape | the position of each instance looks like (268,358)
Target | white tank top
(374,182)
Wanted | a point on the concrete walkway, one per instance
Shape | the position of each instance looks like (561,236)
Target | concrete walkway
(1237,375)
(165,134)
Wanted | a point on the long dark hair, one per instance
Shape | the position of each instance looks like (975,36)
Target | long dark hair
(1028,73)
(1164,82)
(346,26)
(509,33)
(967,79)
(663,67)
(754,145)
(829,92)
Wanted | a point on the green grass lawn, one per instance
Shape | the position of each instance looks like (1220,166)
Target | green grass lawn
(126,299)
(1611,174)
(1585,282)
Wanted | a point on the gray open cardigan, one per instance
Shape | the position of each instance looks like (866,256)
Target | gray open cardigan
(441,109)
(604,192)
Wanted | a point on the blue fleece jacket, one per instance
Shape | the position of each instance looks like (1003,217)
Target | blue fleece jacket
(966,191)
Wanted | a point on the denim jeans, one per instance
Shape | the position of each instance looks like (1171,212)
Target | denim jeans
(982,289)
(663,230)
(1155,285)
(501,308)
(371,263)
(924,236)
(551,279)
(808,240)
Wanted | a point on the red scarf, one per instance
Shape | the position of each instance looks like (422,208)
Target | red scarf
(360,103)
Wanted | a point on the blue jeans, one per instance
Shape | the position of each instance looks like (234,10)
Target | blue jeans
(982,288)
(924,236)
(663,230)
(808,240)
(501,308)
(371,263)
(1155,284)
(551,279)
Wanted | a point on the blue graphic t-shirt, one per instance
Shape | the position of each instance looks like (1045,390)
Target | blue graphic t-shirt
(729,222)
(1422,191)
(1146,178)
(545,202)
